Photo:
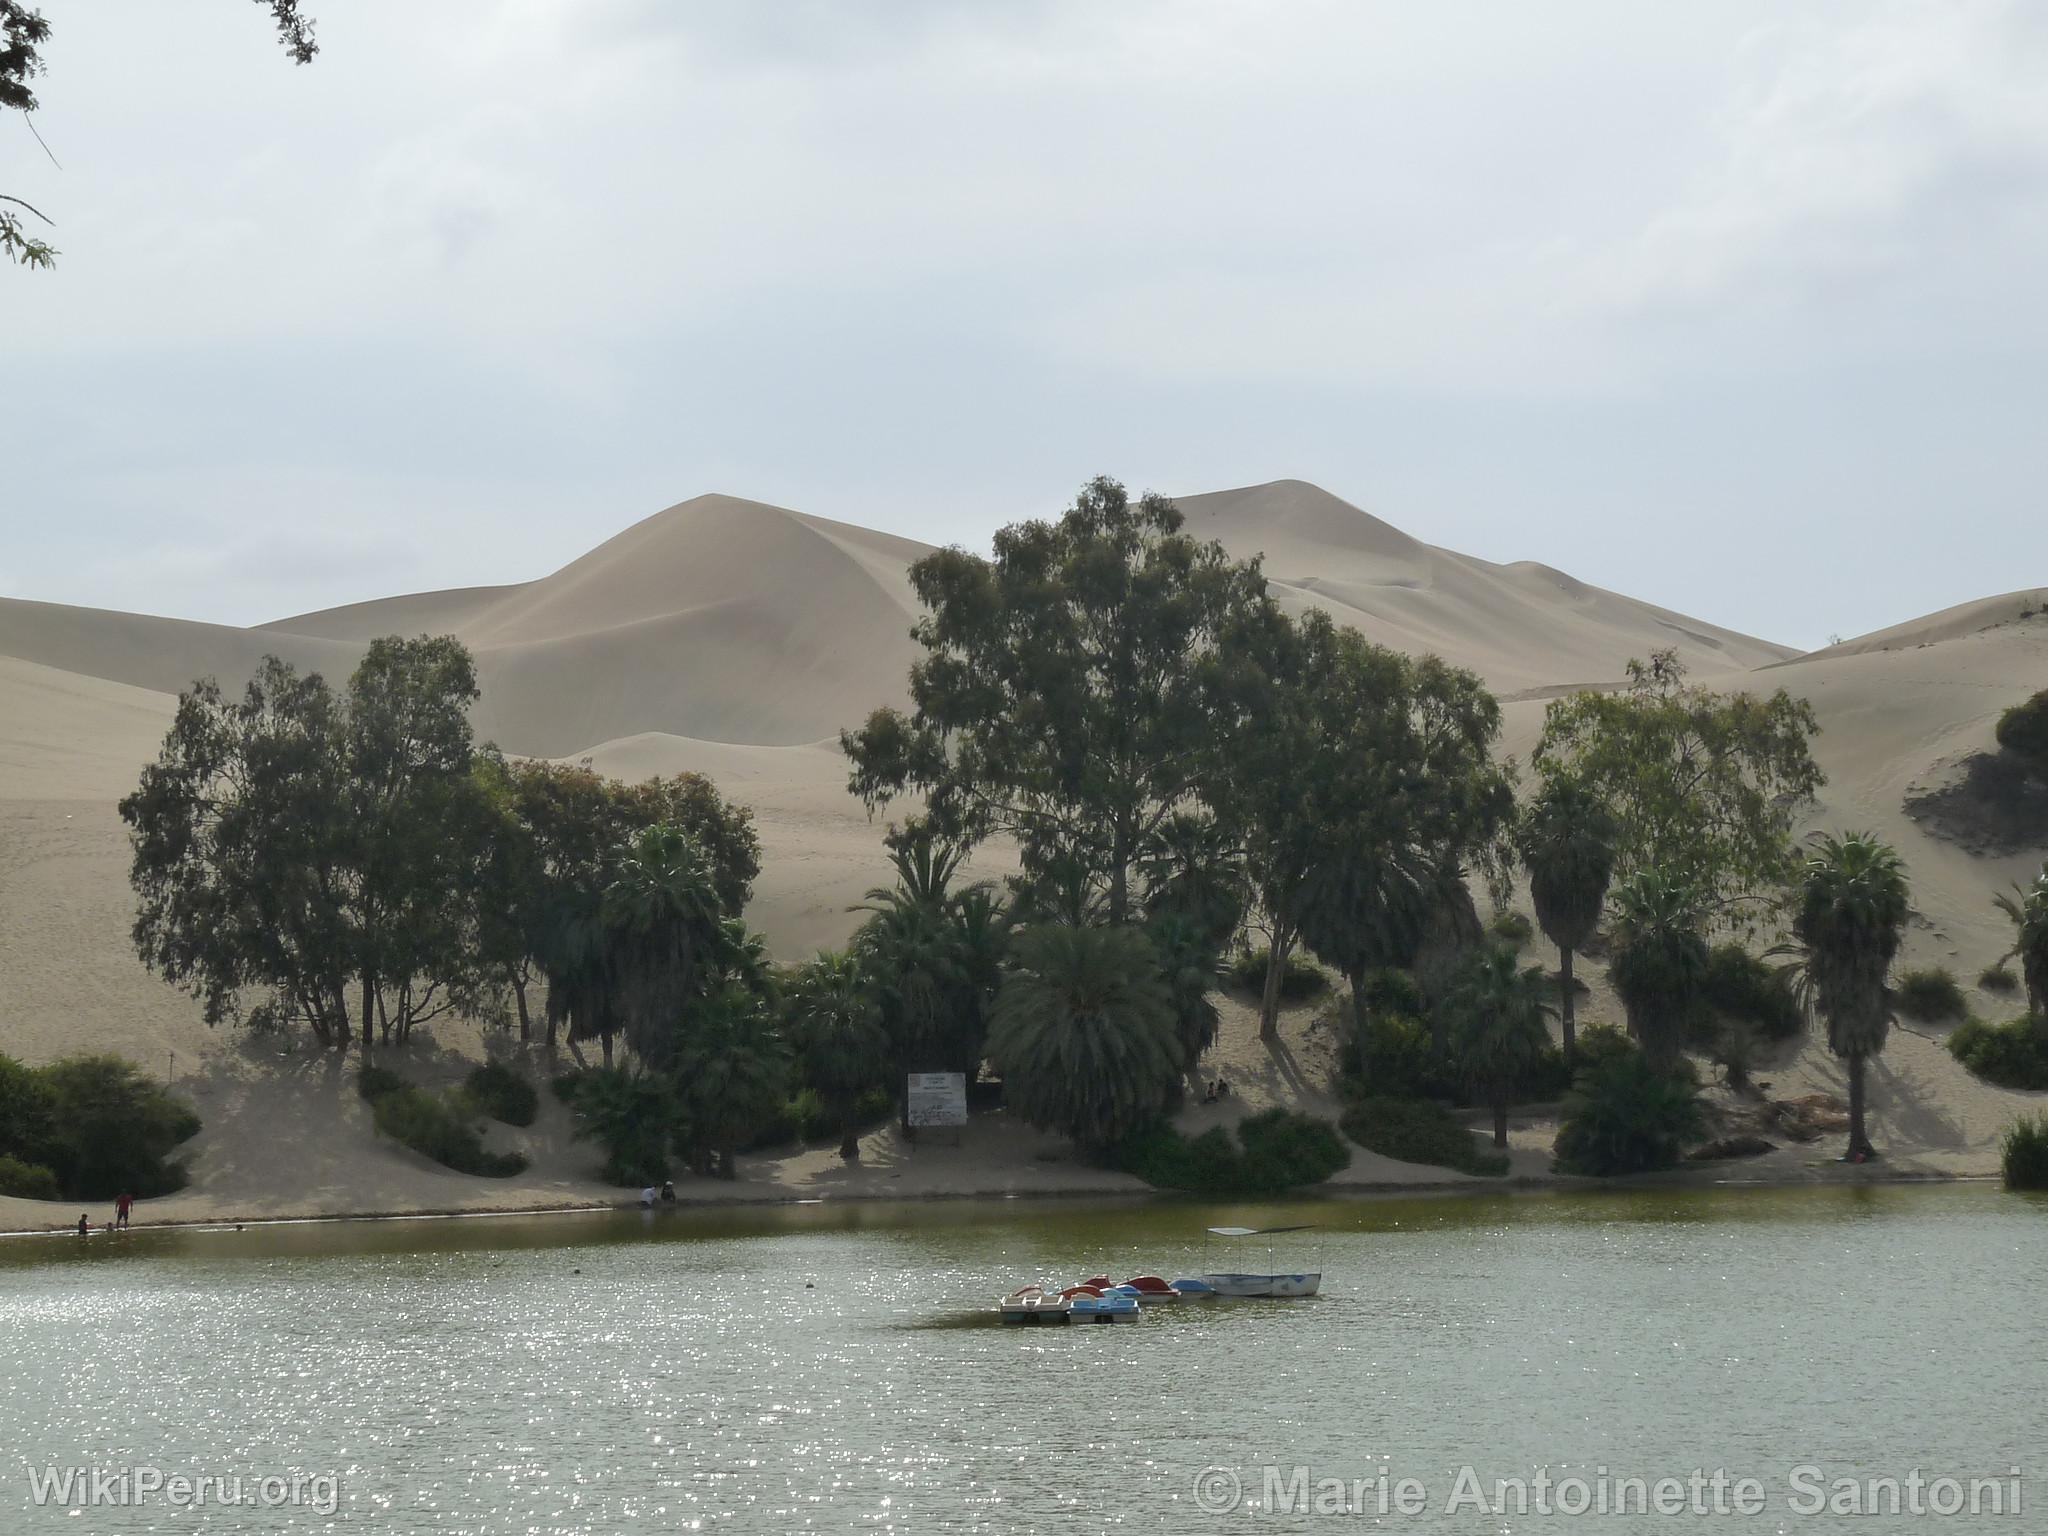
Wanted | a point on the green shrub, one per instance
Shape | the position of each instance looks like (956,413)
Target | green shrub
(1283,1149)
(374,1082)
(563,1084)
(1396,1059)
(27,1181)
(1625,1116)
(1415,1131)
(1740,986)
(1998,978)
(1273,1151)
(1300,980)
(1601,1043)
(1930,994)
(2013,1054)
(502,1093)
(634,1117)
(443,1129)
(2025,1153)
(112,1129)
(27,1114)
(1512,927)
(2023,731)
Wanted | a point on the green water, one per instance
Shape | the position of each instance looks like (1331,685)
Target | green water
(834,1368)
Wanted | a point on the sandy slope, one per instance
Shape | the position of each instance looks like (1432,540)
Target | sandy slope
(1520,626)
(775,627)
(720,619)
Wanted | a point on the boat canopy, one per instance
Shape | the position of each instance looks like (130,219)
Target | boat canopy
(1258,1231)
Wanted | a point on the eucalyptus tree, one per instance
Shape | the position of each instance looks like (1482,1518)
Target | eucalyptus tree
(1084,1032)
(1065,696)
(1703,786)
(1501,1011)
(1660,960)
(1849,922)
(1355,770)
(1566,840)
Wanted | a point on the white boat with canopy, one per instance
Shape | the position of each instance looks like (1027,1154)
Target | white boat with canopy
(1271,1284)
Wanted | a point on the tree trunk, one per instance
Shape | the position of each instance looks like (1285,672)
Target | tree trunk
(1500,1119)
(1859,1141)
(1567,1010)
(1359,1017)
(606,1039)
(519,996)
(369,1013)
(1276,972)
(849,1142)
(727,1167)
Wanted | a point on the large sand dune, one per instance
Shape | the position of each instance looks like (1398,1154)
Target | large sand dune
(732,638)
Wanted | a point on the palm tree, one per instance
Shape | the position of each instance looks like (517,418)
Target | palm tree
(843,1050)
(936,955)
(1084,1032)
(666,927)
(1365,909)
(731,1071)
(1193,868)
(1660,960)
(1566,840)
(1188,965)
(2028,909)
(1849,923)
(1500,1011)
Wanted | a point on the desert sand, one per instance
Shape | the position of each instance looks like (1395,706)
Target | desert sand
(734,639)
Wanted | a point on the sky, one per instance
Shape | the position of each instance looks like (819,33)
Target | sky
(1736,308)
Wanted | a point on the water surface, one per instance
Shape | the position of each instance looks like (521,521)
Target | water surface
(836,1368)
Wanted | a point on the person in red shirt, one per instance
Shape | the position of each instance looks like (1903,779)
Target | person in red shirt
(121,1209)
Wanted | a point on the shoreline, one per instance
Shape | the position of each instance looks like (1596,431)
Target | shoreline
(1694,1177)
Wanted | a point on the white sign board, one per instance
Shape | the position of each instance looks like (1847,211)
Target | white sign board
(937,1098)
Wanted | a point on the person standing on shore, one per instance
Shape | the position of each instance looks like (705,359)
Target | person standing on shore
(121,1207)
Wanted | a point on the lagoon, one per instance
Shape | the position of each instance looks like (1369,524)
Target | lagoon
(836,1367)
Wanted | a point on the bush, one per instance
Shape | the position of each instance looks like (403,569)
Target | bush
(634,1117)
(1740,986)
(442,1129)
(1625,1116)
(1998,978)
(1273,1151)
(27,1114)
(1300,980)
(1512,927)
(502,1093)
(2023,731)
(1418,1132)
(563,1084)
(1396,1059)
(2025,1153)
(27,1181)
(1601,1043)
(1931,994)
(2013,1054)
(374,1082)
(112,1130)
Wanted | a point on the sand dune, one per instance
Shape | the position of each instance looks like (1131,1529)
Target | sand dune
(732,638)
(1521,627)
(1949,624)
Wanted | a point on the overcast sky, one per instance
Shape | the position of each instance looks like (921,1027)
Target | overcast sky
(1735,307)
